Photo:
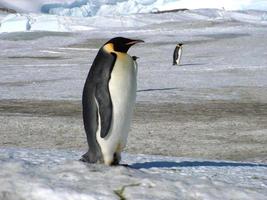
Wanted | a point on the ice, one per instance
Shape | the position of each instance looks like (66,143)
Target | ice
(42,22)
(35,22)
(57,174)
(85,8)
(15,23)
(111,13)
(30,5)
(18,22)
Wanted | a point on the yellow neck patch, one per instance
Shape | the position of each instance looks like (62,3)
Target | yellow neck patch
(109,47)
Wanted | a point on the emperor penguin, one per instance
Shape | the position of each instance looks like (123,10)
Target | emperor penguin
(108,101)
(177,54)
(135,61)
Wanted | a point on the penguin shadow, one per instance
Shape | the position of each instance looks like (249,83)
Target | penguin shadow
(170,164)
(158,89)
(190,64)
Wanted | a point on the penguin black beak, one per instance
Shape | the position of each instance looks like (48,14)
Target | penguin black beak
(134,42)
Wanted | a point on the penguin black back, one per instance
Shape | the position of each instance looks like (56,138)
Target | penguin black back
(97,84)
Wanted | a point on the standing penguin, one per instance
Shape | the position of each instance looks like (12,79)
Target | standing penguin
(108,100)
(135,62)
(177,54)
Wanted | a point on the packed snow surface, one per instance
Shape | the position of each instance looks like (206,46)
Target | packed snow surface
(37,174)
(43,22)
(86,8)
(32,15)
(218,64)
(217,57)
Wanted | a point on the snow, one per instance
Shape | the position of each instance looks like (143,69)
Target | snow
(217,54)
(34,22)
(224,59)
(99,13)
(57,174)
(41,22)
(84,8)
(29,5)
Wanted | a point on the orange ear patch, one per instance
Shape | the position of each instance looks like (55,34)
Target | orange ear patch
(109,47)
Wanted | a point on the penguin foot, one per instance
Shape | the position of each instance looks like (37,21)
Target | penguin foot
(116,159)
(115,162)
(85,159)
(89,158)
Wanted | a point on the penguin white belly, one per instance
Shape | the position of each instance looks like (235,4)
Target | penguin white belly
(179,56)
(122,88)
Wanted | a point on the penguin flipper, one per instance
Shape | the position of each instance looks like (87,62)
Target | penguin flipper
(92,103)
(102,95)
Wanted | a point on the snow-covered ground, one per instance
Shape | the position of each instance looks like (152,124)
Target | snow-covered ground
(51,174)
(222,49)
(84,8)
(102,9)
(217,94)
(42,22)
(213,105)
(88,15)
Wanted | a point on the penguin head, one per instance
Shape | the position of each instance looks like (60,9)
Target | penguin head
(180,44)
(121,44)
(135,57)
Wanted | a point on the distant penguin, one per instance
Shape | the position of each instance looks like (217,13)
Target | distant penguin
(135,62)
(177,54)
(135,58)
(108,100)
